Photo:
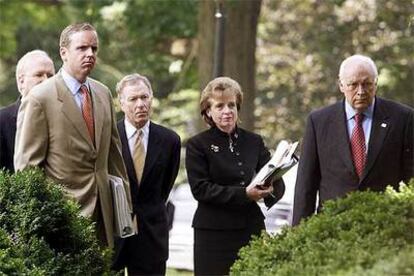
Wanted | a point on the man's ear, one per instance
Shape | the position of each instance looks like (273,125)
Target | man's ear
(341,86)
(20,82)
(120,101)
(62,52)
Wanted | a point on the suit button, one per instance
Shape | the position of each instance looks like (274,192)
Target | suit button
(93,157)
(239,163)
(237,153)
(242,183)
(242,172)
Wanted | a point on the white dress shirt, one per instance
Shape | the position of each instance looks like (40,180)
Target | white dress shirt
(132,134)
(366,123)
(74,87)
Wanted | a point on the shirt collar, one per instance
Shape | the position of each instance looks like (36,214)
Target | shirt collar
(350,112)
(72,83)
(131,129)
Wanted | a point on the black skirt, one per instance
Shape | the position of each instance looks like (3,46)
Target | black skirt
(215,251)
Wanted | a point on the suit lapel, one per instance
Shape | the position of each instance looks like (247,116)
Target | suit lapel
(98,113)
(15,111)
(153,150)
(341,135)
(129,163)
(70,109)
(379,130)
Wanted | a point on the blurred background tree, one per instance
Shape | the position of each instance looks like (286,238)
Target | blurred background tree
(239,62)
(298,45)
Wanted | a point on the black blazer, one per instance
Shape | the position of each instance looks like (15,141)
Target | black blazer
(8,116)
(218,178)
(326,167)
(162,161)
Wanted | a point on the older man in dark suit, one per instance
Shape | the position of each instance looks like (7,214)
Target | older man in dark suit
(32,68)
(363,142)
(152,155)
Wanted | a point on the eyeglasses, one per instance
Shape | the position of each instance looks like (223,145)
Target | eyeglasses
(366,85)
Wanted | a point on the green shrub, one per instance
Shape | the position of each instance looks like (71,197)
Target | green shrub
(42,232)
(351,237)
(401,264)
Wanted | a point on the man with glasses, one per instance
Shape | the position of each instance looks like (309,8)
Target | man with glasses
(363,142)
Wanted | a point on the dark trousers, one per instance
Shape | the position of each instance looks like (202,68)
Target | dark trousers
(97,217)
(155,269)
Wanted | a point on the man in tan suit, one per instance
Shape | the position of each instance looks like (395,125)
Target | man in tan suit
(67,126)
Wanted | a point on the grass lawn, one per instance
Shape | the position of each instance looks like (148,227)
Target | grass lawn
(178,272)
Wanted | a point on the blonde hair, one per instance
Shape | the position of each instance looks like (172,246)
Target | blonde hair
(64,40)
(224,85)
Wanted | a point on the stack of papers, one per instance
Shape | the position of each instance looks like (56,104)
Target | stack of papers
(123,216)
(282,160)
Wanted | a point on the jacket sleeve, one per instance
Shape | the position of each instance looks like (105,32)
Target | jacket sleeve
(308,177)
(2,144)
(31,134)
(173,167)
(203,188)
(116,164)
(408,155)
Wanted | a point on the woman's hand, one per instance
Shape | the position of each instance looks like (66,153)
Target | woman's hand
(259,191)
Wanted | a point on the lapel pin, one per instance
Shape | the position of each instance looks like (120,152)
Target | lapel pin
(214,148)
(384,125)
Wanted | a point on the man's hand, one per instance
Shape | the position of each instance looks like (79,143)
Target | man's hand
(259,191)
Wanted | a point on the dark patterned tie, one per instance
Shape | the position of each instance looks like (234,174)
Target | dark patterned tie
(87,111)
(358,145)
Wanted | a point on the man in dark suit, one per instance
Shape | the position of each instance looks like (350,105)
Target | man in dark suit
(32,68)
(152,155)
(363,142)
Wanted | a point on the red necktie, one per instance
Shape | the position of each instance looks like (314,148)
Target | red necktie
(358,145)
(87,111)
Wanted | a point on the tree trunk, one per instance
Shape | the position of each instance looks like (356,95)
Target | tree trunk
(239,49)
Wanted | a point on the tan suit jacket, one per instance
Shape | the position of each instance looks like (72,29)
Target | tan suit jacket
(51,133)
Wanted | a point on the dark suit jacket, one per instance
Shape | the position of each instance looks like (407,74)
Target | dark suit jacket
(162,161)
(8,116)
(218,178)
(326,167)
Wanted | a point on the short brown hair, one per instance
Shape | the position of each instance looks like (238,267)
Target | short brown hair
(64,40)
(133,79)
(220,85)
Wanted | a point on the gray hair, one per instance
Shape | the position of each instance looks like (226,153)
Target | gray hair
(361,59)
(133,79)
(20,67)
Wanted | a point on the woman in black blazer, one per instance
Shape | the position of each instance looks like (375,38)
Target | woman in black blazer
(221,162)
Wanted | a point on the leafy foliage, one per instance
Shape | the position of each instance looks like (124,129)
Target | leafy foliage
(350,237)
(135,36)
(42,232)
(300,47)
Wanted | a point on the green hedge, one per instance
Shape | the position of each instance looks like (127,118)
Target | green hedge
(365,233)
(42,232)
